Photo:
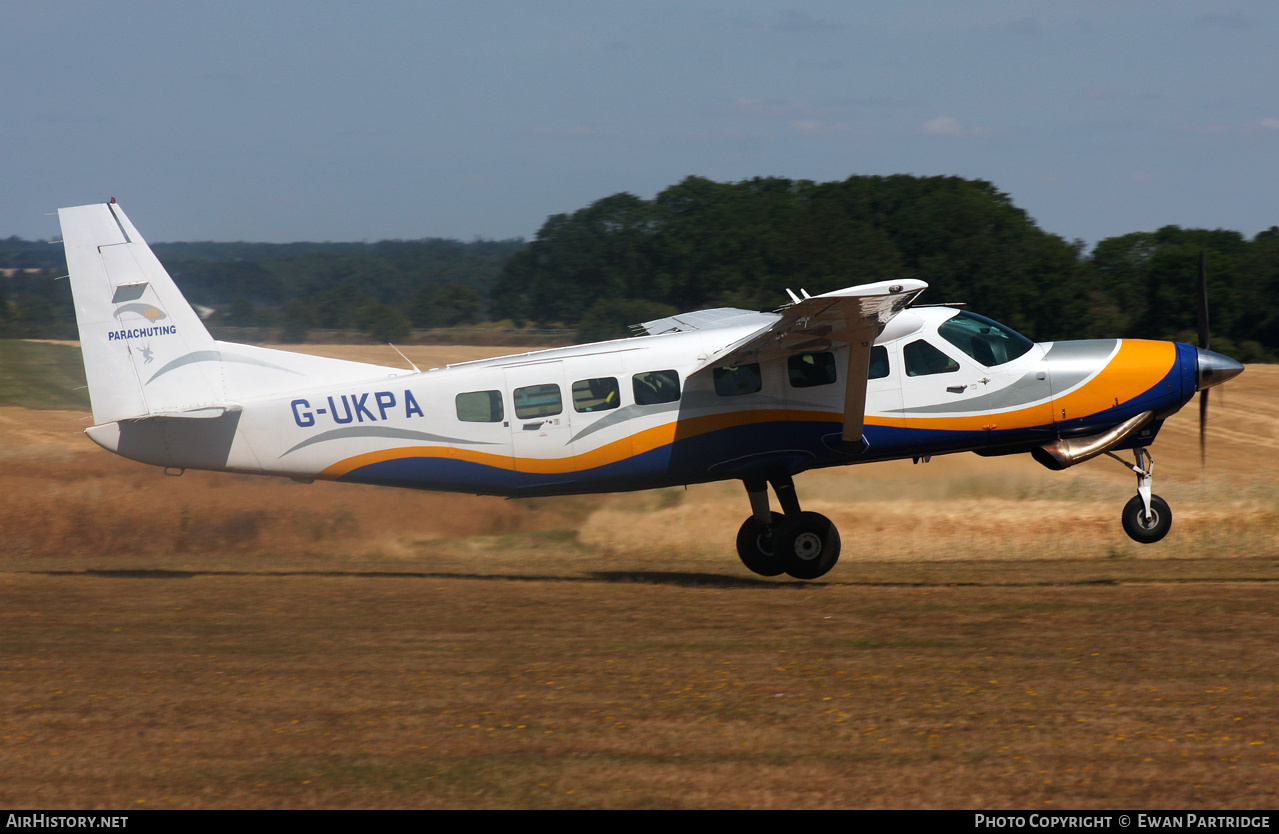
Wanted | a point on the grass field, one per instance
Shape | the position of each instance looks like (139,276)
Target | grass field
(42,375)
(990,638)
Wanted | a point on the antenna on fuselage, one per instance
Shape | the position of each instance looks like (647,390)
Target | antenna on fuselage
(405,358)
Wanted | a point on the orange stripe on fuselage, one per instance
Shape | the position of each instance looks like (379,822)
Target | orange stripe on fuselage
(618,450)
(1135,368)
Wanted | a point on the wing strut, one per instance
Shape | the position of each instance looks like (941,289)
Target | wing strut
(854,316)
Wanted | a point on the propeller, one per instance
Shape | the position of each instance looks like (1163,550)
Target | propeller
(1203,345)
(1211,368)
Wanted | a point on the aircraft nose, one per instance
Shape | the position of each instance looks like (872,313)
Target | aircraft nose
(1215,369)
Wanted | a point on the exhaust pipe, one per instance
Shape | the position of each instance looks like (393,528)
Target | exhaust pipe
(1067,452)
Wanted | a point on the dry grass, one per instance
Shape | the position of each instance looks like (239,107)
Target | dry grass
(990,638)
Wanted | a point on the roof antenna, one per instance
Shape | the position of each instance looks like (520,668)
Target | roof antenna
(405,358)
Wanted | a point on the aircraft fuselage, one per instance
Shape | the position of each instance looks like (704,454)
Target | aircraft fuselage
(586,418)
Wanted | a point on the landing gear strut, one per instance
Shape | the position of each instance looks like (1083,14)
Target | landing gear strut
(801,544)
(1146,516)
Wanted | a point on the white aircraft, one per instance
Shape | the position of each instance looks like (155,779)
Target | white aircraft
(850,376)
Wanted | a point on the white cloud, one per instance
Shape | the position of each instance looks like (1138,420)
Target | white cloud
(945,126)
(1273,124)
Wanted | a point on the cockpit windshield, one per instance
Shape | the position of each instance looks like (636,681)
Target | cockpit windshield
(986,341)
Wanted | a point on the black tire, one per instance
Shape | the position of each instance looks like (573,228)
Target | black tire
(807,545)
(1147,530)
(755,546)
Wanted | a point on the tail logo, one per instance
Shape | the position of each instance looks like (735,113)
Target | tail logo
(127,304)
(147,311)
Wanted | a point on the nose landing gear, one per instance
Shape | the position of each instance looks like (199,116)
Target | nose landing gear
(1146,517)
(801,544)
(1147,526)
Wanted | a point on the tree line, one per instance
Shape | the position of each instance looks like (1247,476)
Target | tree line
(383,289)
(700,243)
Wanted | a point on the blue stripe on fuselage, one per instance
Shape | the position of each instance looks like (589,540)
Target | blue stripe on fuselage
(761,449)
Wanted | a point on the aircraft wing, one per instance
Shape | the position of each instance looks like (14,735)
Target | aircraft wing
(704,320)
(854,316)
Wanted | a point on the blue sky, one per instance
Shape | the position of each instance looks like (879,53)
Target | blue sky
(283,121)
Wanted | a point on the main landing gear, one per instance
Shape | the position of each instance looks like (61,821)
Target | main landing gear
(800,544)
(1146,516)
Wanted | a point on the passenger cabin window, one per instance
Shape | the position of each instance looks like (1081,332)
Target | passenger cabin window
(922,359)
(737,380)
(479,407)
(595,395)
(808,370)
(535,401)
(655,387)
(989,342)
(878,362)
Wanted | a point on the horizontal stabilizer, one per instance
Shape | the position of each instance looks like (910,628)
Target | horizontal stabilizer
(208,413)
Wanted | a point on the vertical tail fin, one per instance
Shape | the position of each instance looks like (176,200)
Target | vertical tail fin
(144,347)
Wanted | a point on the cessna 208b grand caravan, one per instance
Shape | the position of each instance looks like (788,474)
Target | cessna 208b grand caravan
(851,376)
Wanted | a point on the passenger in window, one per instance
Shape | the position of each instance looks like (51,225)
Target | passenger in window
(738,380)
(808,370)
(595,395)
(655,387)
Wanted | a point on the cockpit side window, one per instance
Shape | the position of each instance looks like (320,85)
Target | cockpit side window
(986,341)
(922,359)
(878,362)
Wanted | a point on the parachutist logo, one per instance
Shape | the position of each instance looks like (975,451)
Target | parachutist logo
(150,312)
(147,311)
(146,355)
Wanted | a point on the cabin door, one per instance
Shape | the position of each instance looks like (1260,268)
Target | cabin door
(541,432)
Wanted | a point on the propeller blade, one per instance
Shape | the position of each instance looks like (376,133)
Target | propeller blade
(1203,429)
